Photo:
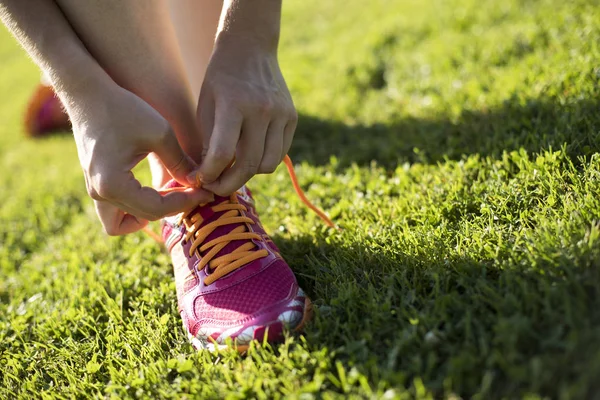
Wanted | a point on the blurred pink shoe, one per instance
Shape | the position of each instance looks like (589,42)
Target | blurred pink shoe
(45,113)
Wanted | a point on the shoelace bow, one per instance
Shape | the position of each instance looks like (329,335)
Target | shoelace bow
(242,255)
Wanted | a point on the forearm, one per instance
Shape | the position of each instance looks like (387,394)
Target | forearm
(43,31)
(254,21)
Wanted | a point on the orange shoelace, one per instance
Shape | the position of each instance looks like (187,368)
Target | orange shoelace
(242,255)
(227,263)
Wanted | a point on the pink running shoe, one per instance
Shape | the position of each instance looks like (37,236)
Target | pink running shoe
(231,280)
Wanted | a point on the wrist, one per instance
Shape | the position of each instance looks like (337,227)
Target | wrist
(75,73)
(254,23)
(243,43)
(78,79)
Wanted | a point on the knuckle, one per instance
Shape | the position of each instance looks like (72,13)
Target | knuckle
(267,168)
(294,116)
(204,152)
(250,168)
(265,106)
(104,189)
(178,165)
(221,154)
(112,230)
(229,103)
(93,193)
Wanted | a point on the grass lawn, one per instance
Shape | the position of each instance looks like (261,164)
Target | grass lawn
(456,142)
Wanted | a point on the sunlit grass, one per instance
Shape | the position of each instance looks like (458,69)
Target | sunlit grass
(456,143)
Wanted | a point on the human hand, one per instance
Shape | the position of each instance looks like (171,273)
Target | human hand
(114,130)
(245,113)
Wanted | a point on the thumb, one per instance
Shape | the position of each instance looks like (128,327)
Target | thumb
(175,160)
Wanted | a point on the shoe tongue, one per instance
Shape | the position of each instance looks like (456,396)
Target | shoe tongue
(208,216)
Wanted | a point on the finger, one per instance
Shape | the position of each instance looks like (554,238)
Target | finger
(222,145)
(159,173)
(206,120)
(145,202)
(115,221)
(272,154)
(288,134)
(248,157)
(128,210)
(163,192)
(175,160)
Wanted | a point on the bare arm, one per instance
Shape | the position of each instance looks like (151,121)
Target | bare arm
(113,128)
(49,40)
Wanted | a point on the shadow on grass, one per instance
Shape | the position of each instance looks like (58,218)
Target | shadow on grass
(461,325)
(534,125)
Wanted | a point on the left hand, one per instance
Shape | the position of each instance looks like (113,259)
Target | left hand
(245,113)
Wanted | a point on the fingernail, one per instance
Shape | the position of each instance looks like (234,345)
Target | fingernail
(194,179)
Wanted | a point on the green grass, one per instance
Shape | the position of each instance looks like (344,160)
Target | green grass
(456,142)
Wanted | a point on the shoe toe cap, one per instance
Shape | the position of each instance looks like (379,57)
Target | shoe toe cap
(268,302)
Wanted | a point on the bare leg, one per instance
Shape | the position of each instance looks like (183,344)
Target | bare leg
(195,23)
(134,41)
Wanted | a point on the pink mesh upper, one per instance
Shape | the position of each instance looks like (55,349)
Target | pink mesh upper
(248,297)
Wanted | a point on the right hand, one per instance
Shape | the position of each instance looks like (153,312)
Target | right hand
(114,131)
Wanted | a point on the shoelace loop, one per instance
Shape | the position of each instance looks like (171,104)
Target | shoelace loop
(242,255)
(233,214)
